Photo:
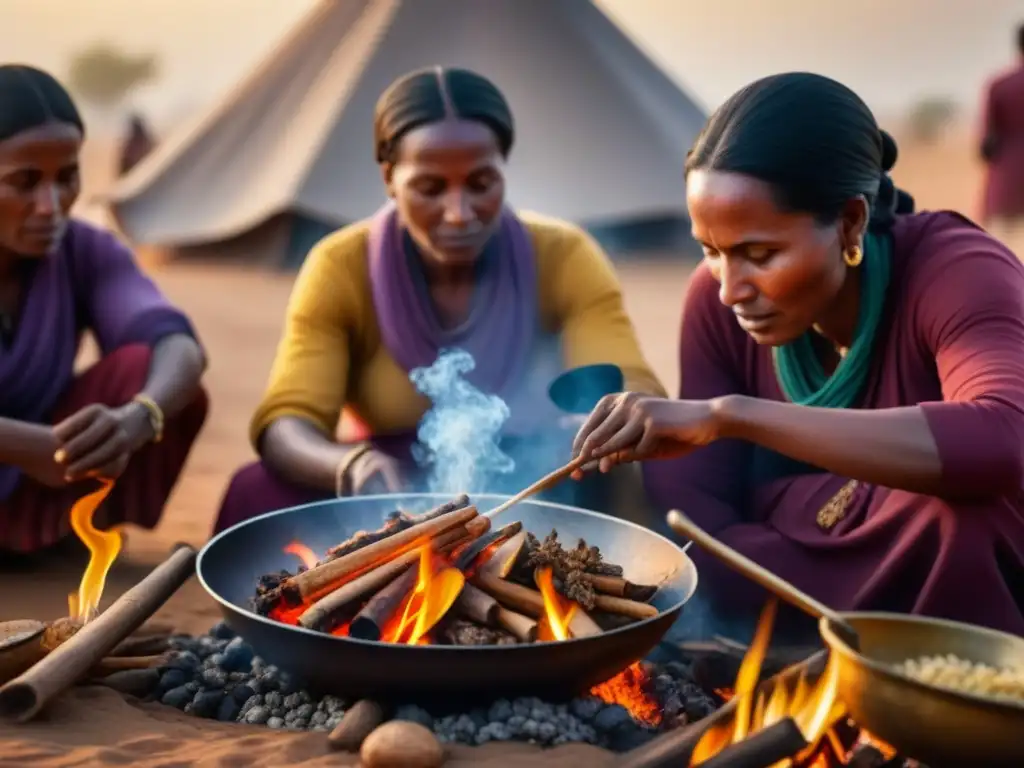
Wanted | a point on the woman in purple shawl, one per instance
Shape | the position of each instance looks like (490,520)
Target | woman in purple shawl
(851,407)
(134,415)
(445,264)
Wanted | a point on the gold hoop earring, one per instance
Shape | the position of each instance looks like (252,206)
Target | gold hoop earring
(853,256)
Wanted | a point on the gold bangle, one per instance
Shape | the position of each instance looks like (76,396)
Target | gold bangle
(155,414)
(341,472)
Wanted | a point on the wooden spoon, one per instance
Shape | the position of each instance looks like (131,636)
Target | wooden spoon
(548,481)
(682,525)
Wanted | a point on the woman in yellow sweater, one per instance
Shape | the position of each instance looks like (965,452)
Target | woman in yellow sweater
(445,264)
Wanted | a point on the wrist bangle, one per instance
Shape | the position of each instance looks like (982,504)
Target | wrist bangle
(154,413)
(342,470)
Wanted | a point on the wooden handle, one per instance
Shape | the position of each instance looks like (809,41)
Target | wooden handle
(682,525)
(548,481)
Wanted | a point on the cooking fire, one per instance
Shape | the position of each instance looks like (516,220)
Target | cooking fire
(445,577)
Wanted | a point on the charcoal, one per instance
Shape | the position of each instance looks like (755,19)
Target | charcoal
(219,677)
(462,632)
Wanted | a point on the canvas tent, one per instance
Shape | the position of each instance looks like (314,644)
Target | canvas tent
(602,132)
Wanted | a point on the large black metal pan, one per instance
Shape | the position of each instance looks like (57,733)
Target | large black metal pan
(230,564)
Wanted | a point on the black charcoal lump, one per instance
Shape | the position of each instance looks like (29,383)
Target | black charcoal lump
(219,676)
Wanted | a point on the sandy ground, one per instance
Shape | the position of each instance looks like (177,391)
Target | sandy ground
(238,314)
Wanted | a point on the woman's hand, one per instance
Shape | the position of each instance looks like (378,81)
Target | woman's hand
(632,427)
(374,472)
(98,441)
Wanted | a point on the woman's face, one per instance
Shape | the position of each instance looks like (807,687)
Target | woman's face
(39,183)
(449,186)
(779,271)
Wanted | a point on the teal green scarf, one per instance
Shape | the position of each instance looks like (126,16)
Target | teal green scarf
(800,374)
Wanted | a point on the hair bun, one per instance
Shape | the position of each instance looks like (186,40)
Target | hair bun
(889,150)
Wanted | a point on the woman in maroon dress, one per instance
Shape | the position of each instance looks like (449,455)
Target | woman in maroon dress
(851,412)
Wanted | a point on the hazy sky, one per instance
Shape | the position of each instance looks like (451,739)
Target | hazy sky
(891,51)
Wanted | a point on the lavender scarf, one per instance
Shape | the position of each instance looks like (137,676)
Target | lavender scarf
(501,330)
(91,281)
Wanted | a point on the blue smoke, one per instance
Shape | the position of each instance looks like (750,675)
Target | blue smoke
(459,437)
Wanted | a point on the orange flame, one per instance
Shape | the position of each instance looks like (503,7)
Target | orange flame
(627,689)
(103,549)
(437,588)
(558,611)
(304,553)
(814,708)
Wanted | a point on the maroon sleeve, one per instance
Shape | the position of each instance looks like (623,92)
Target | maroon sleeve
(969,312)
(710,484)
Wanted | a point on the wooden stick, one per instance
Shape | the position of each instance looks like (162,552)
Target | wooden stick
(623,607)
(320,612)
(478,606)
(546,482)
(501,563)
(393,526)
(316,582)
(24,697)
(144,645)
(465,558)
(523,627)
(531,602)
(112,664)
(356,724)
(619,587)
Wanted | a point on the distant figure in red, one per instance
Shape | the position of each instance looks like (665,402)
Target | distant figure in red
(137,144)
(1002,147)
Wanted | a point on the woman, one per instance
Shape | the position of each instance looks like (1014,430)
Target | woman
(851,412)
(444,264)
(134,415)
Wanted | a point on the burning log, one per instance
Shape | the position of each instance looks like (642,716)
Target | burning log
(369,623)
(321,613)
(763,749)
(397,522)
(523,628)
(356,724)
(476,605)
(675,747)
(501,563)
(531,602)
(23,698)
(624,607)
(466,557)
(619,587)
(314,583)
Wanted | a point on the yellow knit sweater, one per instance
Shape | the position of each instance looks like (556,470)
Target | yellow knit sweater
(330,355)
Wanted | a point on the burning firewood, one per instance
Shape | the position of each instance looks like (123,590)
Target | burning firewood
(397,522)
(314,583)
(320,614)
(370,622)
(443,577)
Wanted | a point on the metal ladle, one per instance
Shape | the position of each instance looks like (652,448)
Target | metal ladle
(782,589)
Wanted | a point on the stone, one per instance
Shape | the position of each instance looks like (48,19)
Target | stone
(401,744)
(177,697)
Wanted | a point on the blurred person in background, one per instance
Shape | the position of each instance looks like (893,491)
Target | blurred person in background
(851,407)
(1002,149)
(134,415)
(445,264)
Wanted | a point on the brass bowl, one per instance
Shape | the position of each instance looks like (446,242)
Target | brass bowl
(935,726)
(20,646)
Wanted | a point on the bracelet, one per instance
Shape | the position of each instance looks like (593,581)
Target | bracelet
(155,414)
(350,458)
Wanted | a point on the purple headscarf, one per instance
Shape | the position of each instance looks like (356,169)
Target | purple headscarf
(501,330)
(90,282)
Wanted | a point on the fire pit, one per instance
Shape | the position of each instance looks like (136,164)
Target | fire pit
(233,563)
